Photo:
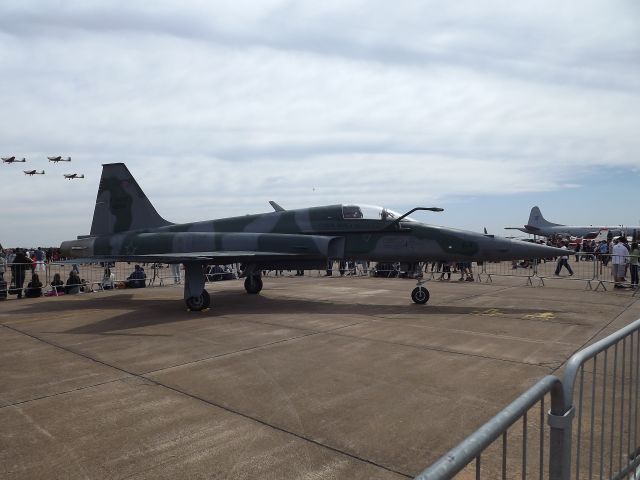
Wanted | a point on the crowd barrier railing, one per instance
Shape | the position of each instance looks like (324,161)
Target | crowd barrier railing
(593,422)
(606,271)
(477,455)
(591,268)
(584,270)
(517,268)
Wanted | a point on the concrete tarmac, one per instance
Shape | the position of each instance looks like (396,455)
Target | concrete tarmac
(314,378)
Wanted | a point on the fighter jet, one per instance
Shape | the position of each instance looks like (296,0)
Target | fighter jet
(537,225)
(126,227)
(59,159)
(33,172)
(71,176)
(12,160)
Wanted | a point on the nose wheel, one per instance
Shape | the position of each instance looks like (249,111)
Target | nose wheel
(420,295)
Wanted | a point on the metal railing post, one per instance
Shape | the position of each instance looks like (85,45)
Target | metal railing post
(560,423)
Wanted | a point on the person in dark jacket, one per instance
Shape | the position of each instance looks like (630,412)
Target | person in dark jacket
(34,288)
(21,264)
(137,279)
(73,283)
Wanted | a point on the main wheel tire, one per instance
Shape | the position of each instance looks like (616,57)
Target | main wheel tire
(254,286)
(420,295)
(196,304)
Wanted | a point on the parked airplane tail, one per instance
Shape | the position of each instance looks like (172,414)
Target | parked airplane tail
(537,220)
(121,205)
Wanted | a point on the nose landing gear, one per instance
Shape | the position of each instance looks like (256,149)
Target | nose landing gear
(420,295)
(253,283)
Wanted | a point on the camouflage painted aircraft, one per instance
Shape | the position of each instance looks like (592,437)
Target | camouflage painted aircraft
(126,227)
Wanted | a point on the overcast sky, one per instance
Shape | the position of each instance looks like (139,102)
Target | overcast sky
(484,108)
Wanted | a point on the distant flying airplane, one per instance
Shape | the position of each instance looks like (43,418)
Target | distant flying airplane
(71,176)
(537,225)
(33,172)
(126,227)
(59,159)
(12,160)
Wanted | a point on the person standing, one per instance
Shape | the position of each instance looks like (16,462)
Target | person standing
(563,261)
(634,256)
(329,268)
(21,263)
(619,260)
(39,254)
(175,271)
(3,264)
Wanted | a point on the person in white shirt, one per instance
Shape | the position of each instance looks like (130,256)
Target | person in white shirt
(563,261)
(619,260)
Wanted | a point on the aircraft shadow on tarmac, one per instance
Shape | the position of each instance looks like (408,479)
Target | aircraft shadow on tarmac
(144,312)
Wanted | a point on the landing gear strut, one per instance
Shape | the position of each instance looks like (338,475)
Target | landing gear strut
(420,294)
(253,283)
(195,296)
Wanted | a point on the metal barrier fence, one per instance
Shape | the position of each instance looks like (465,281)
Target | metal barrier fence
(600,390)
(589,269)
(56,277)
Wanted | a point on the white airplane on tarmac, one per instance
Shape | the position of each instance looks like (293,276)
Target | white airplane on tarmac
(537,225)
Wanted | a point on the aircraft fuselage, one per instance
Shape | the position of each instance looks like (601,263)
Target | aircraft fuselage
(315,234)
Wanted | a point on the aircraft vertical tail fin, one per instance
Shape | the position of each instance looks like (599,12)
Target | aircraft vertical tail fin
(121,205)
(537,220)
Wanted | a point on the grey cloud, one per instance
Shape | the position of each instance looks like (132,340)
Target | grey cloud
(498,47)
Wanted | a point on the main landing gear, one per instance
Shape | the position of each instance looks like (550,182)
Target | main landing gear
(195,296)
(195,304)
(253,283)
(420,294)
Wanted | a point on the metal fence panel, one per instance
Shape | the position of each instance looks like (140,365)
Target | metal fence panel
(600,390)
(513,443)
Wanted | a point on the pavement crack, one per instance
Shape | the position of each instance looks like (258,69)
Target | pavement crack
(214,404)
(248,349)
(85,387)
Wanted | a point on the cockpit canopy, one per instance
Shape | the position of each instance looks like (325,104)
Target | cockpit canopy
(370,212)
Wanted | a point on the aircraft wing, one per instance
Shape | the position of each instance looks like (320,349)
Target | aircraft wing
(208,247)
(225,257)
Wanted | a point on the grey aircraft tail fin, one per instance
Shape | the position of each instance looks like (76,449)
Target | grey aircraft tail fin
(537,220)
(121,205)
